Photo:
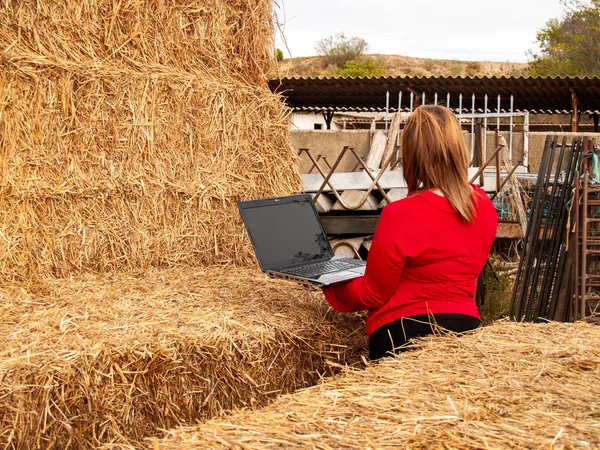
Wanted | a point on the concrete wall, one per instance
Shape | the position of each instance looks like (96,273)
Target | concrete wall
(330,144)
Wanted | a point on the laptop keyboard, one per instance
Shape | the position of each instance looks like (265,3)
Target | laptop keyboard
(325,267)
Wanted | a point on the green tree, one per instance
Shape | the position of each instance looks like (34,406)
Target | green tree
(367,68)
(570,45)
(340,49)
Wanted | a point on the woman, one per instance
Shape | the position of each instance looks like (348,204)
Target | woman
(429,247)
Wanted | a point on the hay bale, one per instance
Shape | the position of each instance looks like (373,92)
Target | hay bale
(503,386)
(122,171)
(223,36)
(99,360)
(131,129)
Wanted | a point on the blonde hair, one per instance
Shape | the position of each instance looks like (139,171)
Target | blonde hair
(434,155)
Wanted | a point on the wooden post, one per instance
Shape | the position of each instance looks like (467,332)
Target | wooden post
(516,193)
(390,144)
(574,111)
(328,115)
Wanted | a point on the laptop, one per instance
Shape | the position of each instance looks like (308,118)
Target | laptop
(290,243)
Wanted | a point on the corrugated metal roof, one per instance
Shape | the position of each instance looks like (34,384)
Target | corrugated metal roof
(533,94)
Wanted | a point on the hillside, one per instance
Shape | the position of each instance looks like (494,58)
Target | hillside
(394,65)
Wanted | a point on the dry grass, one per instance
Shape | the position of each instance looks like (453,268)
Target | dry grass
(525,386)
(122,153)
(227,38)
(398,66)
(108,360)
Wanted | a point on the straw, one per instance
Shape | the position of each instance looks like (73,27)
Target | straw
(130,130)
(508,385)
(112,359)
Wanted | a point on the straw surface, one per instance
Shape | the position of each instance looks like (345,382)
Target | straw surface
(92,361)
(229,38)
(526,386)
(120,154)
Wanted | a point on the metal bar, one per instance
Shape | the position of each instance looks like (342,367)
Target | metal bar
(412,101)
(584,252)
(498,111)
(485,110)
(399,112)
(489,160)
(548,285)
(510,174)
(376,179)
(510,135)
(387,108)
(435,97)
(328,176)
(491,115)
(575,271)
(518,298)
(473,126)
(526,140)
(496,136)
(548,199)
(552,296)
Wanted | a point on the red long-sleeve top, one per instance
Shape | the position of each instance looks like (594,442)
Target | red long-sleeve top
(424,259)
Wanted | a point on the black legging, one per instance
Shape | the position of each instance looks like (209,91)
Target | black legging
(393,337)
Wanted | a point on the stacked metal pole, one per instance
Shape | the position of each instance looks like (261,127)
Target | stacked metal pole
(542,265)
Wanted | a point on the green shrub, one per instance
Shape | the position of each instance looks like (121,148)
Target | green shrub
(472,68)
(498,292)
(428,64)
(367,68)
(456,70)
(279,54)
(339,49)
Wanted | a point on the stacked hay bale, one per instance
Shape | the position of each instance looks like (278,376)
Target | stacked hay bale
(503,386)
(111,360)
(130,129)
(128,132)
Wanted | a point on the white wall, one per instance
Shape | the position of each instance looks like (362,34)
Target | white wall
(307,121)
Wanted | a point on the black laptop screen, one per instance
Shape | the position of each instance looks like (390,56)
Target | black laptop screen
(286,233)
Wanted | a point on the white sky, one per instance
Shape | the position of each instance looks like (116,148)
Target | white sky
(471,30)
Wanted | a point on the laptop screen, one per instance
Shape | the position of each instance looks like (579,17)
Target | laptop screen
(285,231)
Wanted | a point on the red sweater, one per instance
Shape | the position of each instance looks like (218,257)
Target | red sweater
(424,259)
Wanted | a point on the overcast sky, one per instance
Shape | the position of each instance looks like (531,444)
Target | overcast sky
(497,30)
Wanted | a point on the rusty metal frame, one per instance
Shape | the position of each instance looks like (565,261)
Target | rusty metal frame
(327,177)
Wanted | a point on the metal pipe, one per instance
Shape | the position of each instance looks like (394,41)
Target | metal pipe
(549,238)
(485,110)
(510,135)
(435,97)
(473,126)
(412,100)
(399,112)
(487,163)
(526,140)
(387,108)
(510,174)
(498,111)
(519,294)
